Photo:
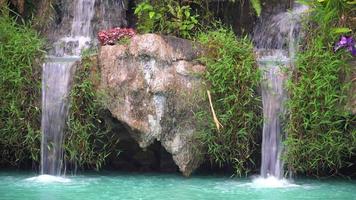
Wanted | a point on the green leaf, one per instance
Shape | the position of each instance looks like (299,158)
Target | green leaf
(187,13)
(151,14)
(195,21)
(351,2)
(183,27)
(171,10)
(147,6)
(341,30)
(158,16)
(256,4)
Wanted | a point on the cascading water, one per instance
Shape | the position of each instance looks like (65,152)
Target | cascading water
(58,70)
(275,39)
(273,96)
(57,77)
(80,35)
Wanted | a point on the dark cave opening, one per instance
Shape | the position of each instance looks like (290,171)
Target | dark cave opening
(133,158)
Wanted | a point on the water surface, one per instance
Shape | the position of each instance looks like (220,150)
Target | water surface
(109,186)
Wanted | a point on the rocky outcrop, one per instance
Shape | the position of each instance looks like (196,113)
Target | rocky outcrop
(153,85)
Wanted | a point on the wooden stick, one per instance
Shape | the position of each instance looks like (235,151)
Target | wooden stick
(217,123)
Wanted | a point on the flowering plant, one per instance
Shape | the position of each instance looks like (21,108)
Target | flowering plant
(346,42)
(111,36)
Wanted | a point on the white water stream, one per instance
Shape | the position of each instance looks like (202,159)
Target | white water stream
(56,84)
(276,40)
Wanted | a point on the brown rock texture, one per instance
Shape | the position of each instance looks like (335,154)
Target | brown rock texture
(153,85)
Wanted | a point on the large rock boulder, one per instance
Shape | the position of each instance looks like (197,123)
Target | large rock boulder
(153,85)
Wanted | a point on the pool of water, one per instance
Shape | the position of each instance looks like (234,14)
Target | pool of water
(108,186)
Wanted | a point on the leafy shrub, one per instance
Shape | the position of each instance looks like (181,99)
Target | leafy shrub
(20,88)
(167,17)
(233,78)
(321,134)
(179,18)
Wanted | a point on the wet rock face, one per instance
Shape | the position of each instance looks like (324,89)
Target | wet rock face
(153,85)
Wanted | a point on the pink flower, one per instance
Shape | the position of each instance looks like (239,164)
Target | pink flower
(111,36)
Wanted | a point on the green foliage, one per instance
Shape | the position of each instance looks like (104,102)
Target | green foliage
(88,140)
(331,15)
(321,135)
(178,18)
(148,17)
(256,4)
(20,71)
(166,17)
(233,78)
(124,41)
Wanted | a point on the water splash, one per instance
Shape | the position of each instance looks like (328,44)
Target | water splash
(276,40)
(271,182)
(48,179)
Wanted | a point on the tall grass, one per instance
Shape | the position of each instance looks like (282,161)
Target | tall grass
(321,134)
(20,71)
(233,78)
(88,140)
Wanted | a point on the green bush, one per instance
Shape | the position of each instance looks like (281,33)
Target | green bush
(178,18)
(166,17)
(20,88)
(233,78)
(321,134)
(88,140)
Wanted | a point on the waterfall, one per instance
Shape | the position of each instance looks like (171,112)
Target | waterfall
(275,38)
(273,97)
(56,79)
(80,35)
(69,42)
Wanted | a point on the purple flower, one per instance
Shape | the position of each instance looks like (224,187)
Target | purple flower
(346,42)
(352,49)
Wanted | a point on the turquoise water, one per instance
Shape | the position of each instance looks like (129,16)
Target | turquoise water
(16,185)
